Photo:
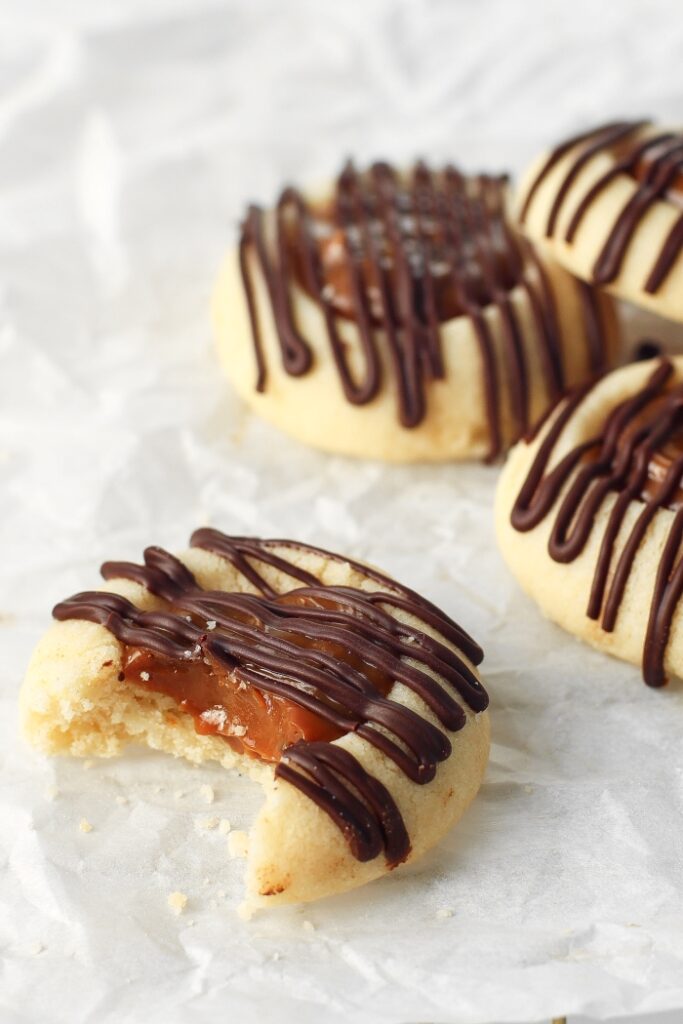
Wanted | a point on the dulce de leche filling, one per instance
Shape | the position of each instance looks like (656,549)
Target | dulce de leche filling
(252,721)
(672,172)
(423,254)
(662,452)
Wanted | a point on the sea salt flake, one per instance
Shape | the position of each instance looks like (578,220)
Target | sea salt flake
(211,624)
(144,676)
(216,716)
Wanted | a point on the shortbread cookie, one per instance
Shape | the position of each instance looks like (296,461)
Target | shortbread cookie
(608,204)
(355,702)
(402,316)
(589,516)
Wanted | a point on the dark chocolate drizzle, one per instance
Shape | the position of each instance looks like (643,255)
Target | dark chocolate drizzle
(615,461)
(395,232)
(663,154)
(253,637)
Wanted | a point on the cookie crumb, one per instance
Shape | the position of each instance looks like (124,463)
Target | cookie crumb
(238,844)
(36,949)
(177,901)
(51,792)
(444,912)
(245,911)
(85,825)
(207,793)
(276,955)
(224,826)
(88,764)
(178,794)
(528,789)
(121,800)
(308,926)
(206,823)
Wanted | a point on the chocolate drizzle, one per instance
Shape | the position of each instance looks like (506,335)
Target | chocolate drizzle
(655,164)
(637,456)
(411,252)
(284,644)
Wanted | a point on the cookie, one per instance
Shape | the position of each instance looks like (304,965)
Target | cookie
(608,204)
(402,316)
(589,516)
(354,701)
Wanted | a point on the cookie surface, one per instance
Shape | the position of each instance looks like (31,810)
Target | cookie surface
(402,316)
(589,516)
(608,204)
(353,701)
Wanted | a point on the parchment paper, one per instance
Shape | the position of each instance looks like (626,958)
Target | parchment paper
(131,134)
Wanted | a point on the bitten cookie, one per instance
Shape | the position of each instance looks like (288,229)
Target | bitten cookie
(589,516)
(402,316)
(608,204)
(355,702)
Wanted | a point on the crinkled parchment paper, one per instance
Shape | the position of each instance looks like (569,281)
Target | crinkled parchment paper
(130,135)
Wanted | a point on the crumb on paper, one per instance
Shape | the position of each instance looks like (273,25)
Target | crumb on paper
(224,826)
(36,949)
(88,764)
(157,789)
(206,792)
(444,912)
(178,794)
(177,901)
(206,881)
(276,955)
(51,792)
(206,824)
(238,844)
(85,825)
(121,800)
(528,789)
(245,911)
(308,926)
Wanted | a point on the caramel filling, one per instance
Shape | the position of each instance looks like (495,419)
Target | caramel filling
(431,277)
(674,190)
(662,458)
(252,721)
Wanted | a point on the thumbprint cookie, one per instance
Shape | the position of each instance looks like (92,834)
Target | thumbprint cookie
(401,315)
(589,516)
(608,204)
(353,700)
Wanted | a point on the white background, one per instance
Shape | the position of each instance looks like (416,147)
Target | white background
(131,135)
